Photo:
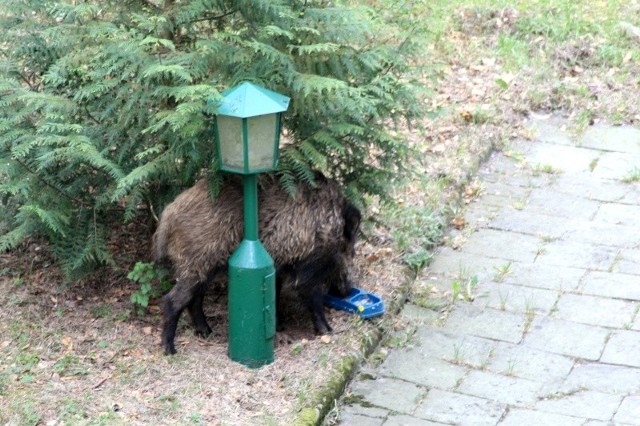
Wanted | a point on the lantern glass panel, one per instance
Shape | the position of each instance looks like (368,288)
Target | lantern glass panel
(262,140)
(230,140)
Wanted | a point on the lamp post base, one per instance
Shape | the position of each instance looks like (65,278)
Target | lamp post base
(252,305)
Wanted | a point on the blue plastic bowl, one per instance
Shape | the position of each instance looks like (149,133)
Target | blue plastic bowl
(358,301)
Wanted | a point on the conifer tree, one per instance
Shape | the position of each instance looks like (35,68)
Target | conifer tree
(103,105)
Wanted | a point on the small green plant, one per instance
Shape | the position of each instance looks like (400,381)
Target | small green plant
(632,176)
(545,168)
(501,272)
(417,231)
(297,349)
(401,338)
(548,238)
(464,288)
(153,282)
(70,365)
(520,204)
(18,282)
(530,315)
(196,418)
(457,355)
(100,311)
(503,300)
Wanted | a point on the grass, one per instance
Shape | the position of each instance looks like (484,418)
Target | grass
(464,288)
(632,176)
(501,271)
(544,168)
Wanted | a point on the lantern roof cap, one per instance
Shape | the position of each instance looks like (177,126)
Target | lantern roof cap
(249,100)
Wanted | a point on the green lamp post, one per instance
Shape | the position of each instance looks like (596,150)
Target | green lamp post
(247,133)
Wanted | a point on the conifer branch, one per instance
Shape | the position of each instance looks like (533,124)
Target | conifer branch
(96,123)
(47,183)
(214,18)
(91,117)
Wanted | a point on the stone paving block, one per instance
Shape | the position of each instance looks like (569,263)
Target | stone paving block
(479,214)
(522,417)
(623,214)
(552,203)
(591,188)
(516,298)
(607,284)
(595,310)
(623,348)
(487,323)
(433,280)
(631,197)
(413,312)
(454,348)
(525,179)
(496,387)
(578,255)
(629,411)
(360,420)
(408,421)
(432,372)
(500,165)
(564,158)
(360,410)
(587,404)
(549,128)
(615,165)
(604,233)
(628,262)
(523,361)
(383,392)
(500,193)
(532,223)
(551,277)
(566,338)
(612,138)
(491,243)
(455,408)
(613,379)
(452,263)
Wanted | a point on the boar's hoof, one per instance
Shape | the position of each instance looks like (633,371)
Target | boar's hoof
(203,331)
(169,348)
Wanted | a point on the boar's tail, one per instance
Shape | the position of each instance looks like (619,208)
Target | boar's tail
(161,241)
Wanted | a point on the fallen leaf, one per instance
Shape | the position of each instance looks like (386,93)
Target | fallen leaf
(458,222)
(373,257)
(67,342)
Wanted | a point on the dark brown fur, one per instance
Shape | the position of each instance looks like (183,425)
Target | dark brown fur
(310,237)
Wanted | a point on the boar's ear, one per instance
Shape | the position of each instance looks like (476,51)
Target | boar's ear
(352,219)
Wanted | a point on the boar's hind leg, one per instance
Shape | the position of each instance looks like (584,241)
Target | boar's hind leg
(196,311)
(182,295)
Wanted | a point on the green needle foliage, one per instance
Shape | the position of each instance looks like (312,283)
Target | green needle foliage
(104,112)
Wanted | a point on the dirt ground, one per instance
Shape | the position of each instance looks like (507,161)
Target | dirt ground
(78,355)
